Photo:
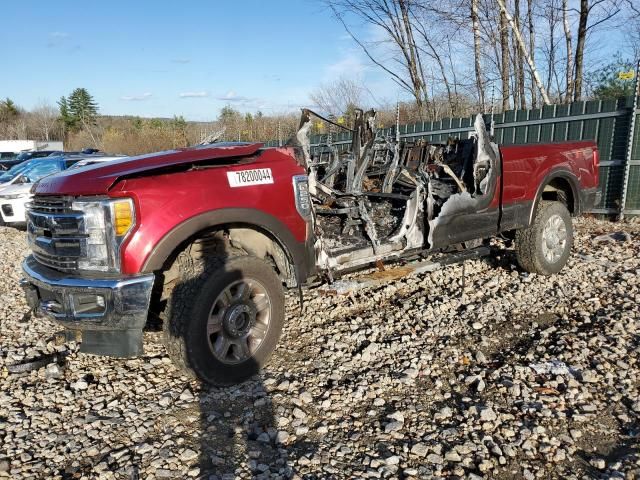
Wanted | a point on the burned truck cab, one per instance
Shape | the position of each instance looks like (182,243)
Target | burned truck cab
(385,199)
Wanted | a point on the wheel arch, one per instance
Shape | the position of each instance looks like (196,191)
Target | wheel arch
(555,183)
(255,231)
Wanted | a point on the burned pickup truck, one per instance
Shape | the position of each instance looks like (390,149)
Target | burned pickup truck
(206,239)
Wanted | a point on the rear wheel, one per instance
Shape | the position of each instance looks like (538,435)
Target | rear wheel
(224,317)
(545,246)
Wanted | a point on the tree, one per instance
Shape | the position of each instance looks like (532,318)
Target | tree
(68,122)
(614,80)
(394,19)
(82,107)
(568,40)
(582,39)
(532,50)
(228,113)
(336,98)
(633,21)
(44,118)
(230,120)
(605,10)
(179,128)
(78,111)
(477,52)
(504,60)
(8,110)
(519,95)
(525,53)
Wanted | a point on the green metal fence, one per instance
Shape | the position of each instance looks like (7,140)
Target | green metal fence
(608,122)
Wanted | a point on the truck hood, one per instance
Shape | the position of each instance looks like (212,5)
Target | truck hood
(4,186)
(16,189)
(99,178)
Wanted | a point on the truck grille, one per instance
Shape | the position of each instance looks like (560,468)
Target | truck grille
(51,204)
(64,264)
(55,232)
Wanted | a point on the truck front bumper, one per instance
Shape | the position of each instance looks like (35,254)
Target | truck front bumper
(110,312)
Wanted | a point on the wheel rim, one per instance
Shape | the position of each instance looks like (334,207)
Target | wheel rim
(239,321)
(554,239)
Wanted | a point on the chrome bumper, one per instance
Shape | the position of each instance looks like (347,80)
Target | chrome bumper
(110,312)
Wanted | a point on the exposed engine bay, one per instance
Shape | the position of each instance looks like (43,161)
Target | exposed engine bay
(385,198)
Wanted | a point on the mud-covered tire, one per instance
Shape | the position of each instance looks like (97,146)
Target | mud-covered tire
(545,246)
(192,286)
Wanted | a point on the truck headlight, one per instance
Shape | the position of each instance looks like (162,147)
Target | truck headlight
(16,196)
(106,225)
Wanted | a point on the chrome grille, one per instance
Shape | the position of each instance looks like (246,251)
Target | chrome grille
(65,264)
(51,204)
(55,232)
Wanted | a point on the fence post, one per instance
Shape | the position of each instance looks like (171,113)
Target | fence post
(632,129)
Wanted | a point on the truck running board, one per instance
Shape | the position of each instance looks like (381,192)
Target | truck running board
(346,286)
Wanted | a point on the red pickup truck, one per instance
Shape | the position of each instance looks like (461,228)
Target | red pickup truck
(207,238)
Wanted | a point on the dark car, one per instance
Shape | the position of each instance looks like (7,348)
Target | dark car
(8,159)
(24,156)
(62,162)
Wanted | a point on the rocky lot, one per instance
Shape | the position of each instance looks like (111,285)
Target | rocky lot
(517,376)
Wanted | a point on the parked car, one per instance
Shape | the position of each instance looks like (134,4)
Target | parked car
(207,238)
(7,177)
(93,159)
(24,156)
(15,194)
(7,160)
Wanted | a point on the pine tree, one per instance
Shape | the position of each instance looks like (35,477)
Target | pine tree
(65,117)
(615,80)
(8,110)
(82,107)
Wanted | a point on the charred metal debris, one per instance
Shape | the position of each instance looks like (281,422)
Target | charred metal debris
(384,198)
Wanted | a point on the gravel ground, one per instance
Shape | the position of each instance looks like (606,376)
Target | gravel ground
(522,376)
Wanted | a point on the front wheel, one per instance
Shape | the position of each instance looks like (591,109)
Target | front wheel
(545,246)
(224,320)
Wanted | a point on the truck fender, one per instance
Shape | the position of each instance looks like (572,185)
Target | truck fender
(563,174)
(297,252)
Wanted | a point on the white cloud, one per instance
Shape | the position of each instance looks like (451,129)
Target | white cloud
(194,94)
(242,101)
(144,96)
(181,60)
(59,34)
(232,96)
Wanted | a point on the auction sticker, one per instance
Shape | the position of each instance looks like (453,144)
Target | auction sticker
(246,178)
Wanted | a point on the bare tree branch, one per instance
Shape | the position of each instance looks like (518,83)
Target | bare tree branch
(525,53)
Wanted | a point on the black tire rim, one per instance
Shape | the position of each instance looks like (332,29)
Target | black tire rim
(239,321)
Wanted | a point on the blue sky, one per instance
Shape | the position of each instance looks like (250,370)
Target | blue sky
(188,58)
